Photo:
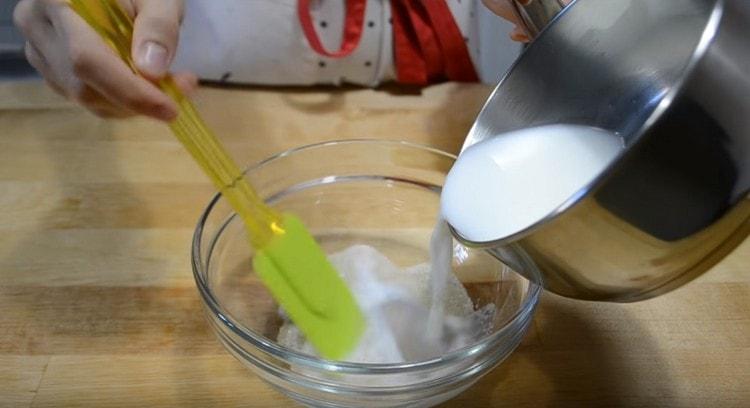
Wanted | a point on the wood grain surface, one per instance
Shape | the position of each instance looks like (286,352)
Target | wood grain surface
(98,306)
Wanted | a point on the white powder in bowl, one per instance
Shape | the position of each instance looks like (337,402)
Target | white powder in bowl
(397,304)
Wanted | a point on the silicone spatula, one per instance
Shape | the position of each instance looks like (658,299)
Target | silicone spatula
(288,260)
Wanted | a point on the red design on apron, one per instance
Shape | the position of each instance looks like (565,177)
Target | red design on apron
(427,44)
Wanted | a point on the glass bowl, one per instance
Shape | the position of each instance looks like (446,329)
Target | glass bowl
(380,193)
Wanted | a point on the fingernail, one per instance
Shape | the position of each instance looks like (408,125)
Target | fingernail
(153,58)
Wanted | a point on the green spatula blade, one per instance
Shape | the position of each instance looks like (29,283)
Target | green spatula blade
(300,277)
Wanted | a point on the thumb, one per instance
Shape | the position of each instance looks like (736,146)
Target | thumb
(155,34)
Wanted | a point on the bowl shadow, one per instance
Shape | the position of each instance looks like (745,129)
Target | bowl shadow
(576,354)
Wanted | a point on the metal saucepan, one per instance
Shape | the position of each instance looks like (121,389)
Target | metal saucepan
(673,78)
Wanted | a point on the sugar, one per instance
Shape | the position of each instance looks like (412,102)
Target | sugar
(413,313)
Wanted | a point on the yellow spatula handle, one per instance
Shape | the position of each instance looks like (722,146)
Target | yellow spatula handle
(116,28)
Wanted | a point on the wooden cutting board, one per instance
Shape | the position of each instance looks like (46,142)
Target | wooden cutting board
(98,306)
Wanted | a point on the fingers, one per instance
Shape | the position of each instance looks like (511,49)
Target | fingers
(110,112)
(504,9)
(186,81)
(97,66)
(99,105)
(155,35)
(34,57)
(31,20)
(76,63)
(86,96)
(518,34)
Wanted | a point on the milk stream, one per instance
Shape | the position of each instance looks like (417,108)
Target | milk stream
(412,313)
(496,188)
(507,183)
(441,255)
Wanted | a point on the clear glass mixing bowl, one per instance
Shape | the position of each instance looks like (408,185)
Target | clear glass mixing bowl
(379,193)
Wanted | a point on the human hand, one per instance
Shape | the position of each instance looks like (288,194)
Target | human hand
(77,64)
(504,9)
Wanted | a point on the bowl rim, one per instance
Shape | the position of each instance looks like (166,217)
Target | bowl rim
(269,346)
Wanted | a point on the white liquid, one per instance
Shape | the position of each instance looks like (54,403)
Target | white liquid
(507,183)
(441,256)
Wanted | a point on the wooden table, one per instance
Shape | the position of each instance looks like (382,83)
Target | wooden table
(98,306)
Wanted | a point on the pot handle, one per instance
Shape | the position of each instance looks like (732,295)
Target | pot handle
(535,14)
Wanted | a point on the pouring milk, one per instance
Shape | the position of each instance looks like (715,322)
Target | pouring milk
(495,189)
(505,184)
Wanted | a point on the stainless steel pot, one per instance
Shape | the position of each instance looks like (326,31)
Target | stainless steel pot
(673,78)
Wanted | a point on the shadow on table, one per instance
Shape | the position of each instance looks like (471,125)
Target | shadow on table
(577,354)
